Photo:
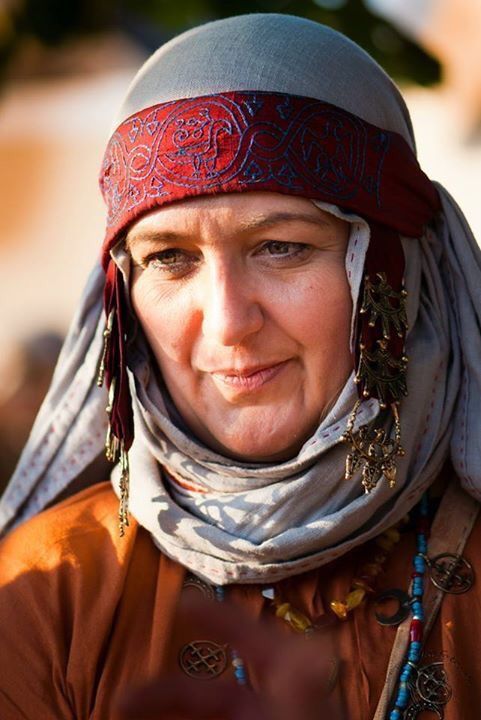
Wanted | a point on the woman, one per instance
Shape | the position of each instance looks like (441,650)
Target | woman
(273,257)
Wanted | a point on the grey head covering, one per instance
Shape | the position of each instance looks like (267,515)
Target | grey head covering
(271,53)
(263,523)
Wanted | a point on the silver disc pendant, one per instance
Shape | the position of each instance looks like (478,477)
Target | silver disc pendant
(451,573)
(432,684)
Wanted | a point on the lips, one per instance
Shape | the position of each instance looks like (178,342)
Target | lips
(248,379)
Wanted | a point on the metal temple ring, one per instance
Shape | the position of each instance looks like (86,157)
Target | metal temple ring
(401,613)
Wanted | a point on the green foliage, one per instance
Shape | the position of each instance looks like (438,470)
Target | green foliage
(54,21)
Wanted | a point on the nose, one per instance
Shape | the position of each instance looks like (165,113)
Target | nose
(231,307)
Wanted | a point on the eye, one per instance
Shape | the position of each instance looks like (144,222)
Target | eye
(283,249)
(173,261)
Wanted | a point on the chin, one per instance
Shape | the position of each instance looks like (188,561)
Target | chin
(251,450)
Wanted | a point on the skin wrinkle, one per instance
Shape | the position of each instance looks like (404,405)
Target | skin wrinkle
(244,226)
(229,288)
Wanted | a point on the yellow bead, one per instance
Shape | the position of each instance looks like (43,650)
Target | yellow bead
(355,598)
(339,608)
(297,620)
(282,610)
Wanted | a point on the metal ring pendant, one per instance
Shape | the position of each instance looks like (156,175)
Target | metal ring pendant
(401,613)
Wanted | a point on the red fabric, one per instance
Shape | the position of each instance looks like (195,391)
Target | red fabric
(85,613)
(121,416)
(241,141)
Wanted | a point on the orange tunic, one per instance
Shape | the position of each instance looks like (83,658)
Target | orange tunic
(84,613)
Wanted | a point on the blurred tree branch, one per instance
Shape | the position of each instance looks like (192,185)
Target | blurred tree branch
(151,22)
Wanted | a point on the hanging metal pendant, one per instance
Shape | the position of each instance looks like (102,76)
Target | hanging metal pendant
(404,607)
(203,659)
(385,304)
(451,573)
(430,692)
(432,684)
(107,333)
(124,487)
(380,374)
(373,451)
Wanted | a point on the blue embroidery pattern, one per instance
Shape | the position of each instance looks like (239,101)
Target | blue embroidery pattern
(235,141)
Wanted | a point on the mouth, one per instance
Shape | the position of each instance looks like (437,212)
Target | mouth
(249,379)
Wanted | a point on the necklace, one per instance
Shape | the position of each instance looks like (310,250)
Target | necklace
(237,663)
(361,586)
(364,583)
(417,620)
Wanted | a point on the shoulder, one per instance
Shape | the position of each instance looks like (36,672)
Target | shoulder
(62,576)
(77,531)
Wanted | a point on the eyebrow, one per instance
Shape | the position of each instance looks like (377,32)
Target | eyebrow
(259,222)
(263,221)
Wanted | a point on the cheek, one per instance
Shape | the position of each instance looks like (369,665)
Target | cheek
(318,311)
(167,323)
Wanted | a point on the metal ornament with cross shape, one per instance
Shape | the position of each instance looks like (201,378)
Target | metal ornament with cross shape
(430,691)
(432,684)
(203,659)
(451,573)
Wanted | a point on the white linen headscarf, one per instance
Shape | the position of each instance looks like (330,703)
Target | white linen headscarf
(263,522)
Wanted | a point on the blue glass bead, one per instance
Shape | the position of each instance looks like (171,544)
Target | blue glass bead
(395,714)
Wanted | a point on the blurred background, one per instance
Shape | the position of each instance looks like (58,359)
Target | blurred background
(64,67)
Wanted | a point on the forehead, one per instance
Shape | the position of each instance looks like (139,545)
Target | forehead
(241,211)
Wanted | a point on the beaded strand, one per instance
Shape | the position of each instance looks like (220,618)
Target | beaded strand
(365,582)
(417,621)
(300,623)
(237,663)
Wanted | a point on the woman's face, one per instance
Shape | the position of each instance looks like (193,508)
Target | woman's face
(244,300)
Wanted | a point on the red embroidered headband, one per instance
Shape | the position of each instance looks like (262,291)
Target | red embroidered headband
(246,141)
(241,141)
